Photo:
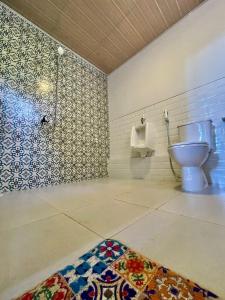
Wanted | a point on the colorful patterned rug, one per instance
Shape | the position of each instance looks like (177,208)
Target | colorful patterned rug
(113,271)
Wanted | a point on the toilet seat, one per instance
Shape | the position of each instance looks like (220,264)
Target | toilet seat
(193,144)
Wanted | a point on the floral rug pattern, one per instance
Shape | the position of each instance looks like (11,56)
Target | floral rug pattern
(112,271)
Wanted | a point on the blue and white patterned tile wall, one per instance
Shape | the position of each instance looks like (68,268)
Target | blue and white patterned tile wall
(205,102)
(73,147)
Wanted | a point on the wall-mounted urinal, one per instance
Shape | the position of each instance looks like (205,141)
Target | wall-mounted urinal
(141,140)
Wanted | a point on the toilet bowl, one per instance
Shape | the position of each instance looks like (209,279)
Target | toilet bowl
(191,156)
(196,143)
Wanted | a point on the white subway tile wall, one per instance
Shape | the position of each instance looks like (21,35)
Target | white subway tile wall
(205,102)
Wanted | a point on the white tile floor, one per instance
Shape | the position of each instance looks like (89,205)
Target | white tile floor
(44,229)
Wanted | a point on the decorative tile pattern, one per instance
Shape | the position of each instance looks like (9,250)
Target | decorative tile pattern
(170,285)
(77,275)
(53,288)
(110,250)
(92,263)
(76,145)
(127,276)
(108,286)
(136,269)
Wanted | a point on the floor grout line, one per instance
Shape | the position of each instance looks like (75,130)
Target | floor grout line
(190,217)
(89,229)
(159,207)
(131,203)
(116,232)
(31,222)
(131,224)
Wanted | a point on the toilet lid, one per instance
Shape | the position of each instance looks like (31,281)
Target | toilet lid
(189,143)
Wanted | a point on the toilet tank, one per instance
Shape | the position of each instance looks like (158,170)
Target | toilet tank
(200,131)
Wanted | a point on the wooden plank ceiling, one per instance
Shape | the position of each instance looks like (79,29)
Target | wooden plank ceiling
(105,32)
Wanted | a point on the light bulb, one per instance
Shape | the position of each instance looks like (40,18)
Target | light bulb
(60,50)
(44,86)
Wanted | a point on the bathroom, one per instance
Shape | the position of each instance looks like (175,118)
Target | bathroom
(112,118)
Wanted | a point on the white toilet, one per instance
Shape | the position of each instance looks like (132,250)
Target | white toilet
(192,152)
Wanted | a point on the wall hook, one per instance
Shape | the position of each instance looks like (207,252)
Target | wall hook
(44,120)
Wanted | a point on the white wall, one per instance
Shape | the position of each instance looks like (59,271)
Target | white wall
(183,71)
(189,54)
